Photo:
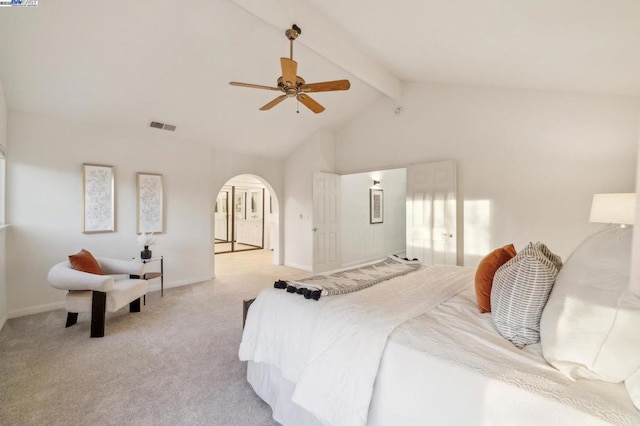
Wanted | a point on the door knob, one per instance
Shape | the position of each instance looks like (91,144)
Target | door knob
(448,235)
(314,229)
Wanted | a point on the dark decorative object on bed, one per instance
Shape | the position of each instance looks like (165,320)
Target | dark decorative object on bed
(306,292)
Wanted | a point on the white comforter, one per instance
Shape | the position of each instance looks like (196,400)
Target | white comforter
(467,340)
(331,348)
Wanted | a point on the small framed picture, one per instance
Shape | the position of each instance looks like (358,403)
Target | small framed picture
(376,206)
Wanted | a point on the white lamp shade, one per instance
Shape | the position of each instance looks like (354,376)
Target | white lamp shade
(614,208)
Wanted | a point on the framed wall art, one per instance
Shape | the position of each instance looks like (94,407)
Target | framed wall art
(239,204)
(98,199)
(376,206)
(254,201)
(150,203)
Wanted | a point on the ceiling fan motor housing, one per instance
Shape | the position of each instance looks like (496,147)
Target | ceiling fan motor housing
(286,88)
(293,32)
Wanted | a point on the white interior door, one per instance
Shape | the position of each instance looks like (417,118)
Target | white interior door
(431,213)
(326,218)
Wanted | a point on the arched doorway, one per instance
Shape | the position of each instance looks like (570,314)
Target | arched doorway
(246,216)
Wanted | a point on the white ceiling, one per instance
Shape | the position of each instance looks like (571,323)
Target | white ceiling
(124,63)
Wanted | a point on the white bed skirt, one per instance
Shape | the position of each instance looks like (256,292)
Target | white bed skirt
(414,389)
(277,391)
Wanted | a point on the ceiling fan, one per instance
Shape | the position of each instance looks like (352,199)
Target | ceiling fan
(294,86)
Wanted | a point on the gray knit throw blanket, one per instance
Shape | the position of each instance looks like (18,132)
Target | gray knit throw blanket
(357,278)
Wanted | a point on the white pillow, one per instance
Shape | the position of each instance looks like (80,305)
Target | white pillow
(632,383)
(590,327)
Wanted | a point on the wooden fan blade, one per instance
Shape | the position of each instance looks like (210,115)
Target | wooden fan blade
(310,103)
(253,86)
(326,86)
(289,71)
(274,102)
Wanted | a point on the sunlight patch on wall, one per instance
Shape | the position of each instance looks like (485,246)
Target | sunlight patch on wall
(477,227)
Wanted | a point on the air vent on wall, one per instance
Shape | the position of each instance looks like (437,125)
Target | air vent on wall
(162,126)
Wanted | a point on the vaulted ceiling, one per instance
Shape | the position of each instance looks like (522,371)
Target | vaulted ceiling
(125,63)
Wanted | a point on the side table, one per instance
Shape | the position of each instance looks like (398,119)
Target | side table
(153,275)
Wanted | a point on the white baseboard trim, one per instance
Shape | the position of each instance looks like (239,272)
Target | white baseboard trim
(3,321)
(372,259)
(155,284)
(356,262)
(60,305)
(294,265)
(36,309)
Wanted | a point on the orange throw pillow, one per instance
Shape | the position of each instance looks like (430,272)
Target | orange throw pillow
(485,272)
(85,262)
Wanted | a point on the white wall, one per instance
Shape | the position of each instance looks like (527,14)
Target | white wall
(44,201)
(45,194)
(635,266)
(314,155)
(362,241)
(528,161)
(3,283)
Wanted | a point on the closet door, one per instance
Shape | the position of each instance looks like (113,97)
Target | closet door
(432,213)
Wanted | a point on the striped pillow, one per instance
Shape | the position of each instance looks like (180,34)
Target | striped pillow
(552,257)
(520,290)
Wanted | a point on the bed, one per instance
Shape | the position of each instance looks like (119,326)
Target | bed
(410,350)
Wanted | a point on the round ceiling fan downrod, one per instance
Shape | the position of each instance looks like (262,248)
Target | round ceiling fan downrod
(292,33)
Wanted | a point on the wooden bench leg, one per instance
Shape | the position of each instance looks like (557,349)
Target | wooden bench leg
(72,318)
(98,313)
(135,305)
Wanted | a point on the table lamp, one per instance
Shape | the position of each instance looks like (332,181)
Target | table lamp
(617,208)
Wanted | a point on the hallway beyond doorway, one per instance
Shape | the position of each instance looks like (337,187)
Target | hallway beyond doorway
(255,265)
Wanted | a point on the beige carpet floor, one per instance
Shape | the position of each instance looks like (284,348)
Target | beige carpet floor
(174,363)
